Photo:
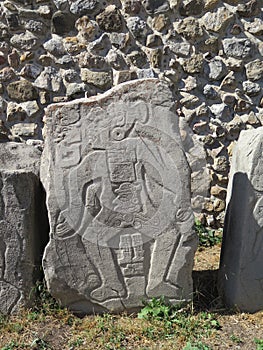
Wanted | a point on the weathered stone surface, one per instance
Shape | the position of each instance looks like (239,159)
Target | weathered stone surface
(14,59)
(137,58)
(24,41)
(138,27)
(254,69)
(102,80)
(241,274)
(215,69)
(62,23)
(21,220)
(254,27)
(218,19)
(49,79)
(249,8)
(229,83)
(116,60)
(250,88)
(237,48)
(190,28)
(30,71)
(160,22)
(132,6)
(55,46)
(191,7)
(118,200)
(155,6)
(110,19)
(7,74)
(79,7)
(2,59)
(22,90)
(100,46)
(193,64)
(24,130)
(36,27)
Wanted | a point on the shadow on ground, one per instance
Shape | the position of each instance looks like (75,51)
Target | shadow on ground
(206,295)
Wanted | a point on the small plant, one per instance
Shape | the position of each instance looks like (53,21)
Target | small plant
(13,345)
(3,320)
(207,237)
(178,320)
(45,301)
(77,342)
(157,309)
(236,339)
(259,343)
(196,346)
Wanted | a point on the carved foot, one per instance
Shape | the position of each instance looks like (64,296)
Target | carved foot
(103,293)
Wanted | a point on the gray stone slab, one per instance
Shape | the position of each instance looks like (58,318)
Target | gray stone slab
(21,222)
(118,197)
(241,266)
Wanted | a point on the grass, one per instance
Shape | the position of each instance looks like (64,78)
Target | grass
(159,325)
(259,343)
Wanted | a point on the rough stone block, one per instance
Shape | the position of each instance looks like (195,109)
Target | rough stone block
(118,197)
(21,222)
(241,273)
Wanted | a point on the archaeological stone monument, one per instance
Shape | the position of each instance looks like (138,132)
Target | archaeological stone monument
(241,266)
(118,198)
(22,225)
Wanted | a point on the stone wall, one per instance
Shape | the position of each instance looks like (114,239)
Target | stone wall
(209,51)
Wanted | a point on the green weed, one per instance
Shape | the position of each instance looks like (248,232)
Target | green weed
(77,342)
(259,343)
(13,345)
(236,339)
(177,320)
(207,237)
(3,320)
(45,302)
(196,346)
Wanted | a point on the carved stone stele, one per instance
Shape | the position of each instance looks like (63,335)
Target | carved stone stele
(118,197)
(241,265)
(22,225)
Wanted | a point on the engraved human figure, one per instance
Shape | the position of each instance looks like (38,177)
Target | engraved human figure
(130,189)
(121,209)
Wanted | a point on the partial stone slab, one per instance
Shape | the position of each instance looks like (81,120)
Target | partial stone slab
(22,223)
(118,197)
(241,266)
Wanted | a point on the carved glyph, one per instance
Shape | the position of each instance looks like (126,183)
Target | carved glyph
(118,197)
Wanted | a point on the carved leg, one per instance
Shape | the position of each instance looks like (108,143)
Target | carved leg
(160,264)
(111,286)
(102,258)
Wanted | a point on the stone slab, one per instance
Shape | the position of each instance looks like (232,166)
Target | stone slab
(22,220)
(118,198)
(241,266)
